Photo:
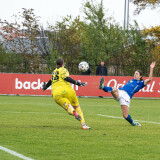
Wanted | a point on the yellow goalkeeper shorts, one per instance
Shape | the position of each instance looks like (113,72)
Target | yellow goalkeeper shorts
(64,96)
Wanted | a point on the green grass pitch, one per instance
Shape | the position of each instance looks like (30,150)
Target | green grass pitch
(38,128)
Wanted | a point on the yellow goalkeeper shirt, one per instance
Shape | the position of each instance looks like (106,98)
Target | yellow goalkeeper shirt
(58,76)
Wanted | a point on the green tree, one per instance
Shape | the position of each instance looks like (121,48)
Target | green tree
(95,30)
(21,37)
(10,61)
(65,42)
(96,38)
(108,41)
(152,34)
(135,52)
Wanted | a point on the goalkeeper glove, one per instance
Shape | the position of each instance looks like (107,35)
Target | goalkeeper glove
(81,84)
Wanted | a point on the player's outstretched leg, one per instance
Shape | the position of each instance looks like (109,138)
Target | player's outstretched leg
(125,111)
(105,88)
(101,84)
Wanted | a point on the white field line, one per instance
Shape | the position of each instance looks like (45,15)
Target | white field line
(29,112)
(123,118)
(15,153)
(12,112)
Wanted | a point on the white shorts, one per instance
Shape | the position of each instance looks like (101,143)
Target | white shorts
(123,98)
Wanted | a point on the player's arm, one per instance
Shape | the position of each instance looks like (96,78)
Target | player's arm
(70,80)
(150,73)
(65,76)
(46,85)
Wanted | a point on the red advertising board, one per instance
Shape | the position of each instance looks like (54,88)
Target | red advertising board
(30,84)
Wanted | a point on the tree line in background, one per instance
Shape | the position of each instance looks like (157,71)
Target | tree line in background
(98,37)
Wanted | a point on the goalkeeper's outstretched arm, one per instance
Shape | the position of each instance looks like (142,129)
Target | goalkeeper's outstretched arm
(69,79)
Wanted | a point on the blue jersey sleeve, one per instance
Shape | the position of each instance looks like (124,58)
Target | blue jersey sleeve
(133,86)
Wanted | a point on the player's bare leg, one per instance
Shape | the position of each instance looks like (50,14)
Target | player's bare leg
(115,92)
(125,108)
(125,112)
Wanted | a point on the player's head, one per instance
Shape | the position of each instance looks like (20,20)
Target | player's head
(59,62)
(138,75)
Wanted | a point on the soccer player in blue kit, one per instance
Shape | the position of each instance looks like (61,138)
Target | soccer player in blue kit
(125,93)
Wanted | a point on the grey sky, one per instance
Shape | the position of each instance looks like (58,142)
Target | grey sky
(52,10)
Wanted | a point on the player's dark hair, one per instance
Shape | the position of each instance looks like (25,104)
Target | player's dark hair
(59,62)
(141,74)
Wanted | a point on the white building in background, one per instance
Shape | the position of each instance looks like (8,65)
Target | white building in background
(19,43)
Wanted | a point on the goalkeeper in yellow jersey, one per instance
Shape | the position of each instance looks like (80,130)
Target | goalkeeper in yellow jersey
(62,92)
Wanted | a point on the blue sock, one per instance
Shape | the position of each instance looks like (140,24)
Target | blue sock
(107,89)
(129,119)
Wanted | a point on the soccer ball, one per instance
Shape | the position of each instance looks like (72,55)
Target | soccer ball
(83,66)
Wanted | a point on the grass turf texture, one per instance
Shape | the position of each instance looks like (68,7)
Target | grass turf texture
(40,129)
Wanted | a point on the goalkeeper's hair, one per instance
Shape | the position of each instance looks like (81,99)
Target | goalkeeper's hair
(59,62)
(141,74)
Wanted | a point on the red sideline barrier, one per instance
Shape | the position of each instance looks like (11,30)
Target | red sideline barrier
(30,84)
